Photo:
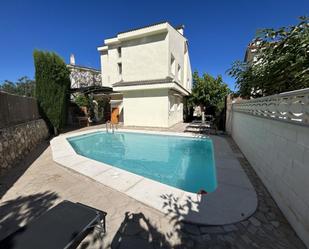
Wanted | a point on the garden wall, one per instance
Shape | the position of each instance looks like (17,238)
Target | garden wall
(17,109)
(273,134)
(21,129)
(17,141)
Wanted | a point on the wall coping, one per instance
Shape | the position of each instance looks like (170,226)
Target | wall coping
(289,107)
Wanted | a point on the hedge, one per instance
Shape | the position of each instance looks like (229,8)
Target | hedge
(52,88)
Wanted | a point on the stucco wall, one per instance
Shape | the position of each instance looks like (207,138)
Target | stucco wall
(279,153)
(16,141)
(175,114)
(109,68)
(143,58)
(146,108)
(176,46)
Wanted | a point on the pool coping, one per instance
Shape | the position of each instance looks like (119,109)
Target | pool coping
(234,199)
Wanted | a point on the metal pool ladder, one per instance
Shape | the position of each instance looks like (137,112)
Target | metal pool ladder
(111,126)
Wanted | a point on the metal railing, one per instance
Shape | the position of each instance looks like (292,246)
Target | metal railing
(111,127)
(290,107)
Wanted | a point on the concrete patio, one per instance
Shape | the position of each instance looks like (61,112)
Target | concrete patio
(39,183)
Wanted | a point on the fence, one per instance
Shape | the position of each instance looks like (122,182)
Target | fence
(289,107)
(273,134)
(17,109)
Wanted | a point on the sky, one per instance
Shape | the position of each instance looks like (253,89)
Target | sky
(218,31)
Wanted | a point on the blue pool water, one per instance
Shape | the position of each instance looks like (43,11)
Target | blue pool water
(181,162)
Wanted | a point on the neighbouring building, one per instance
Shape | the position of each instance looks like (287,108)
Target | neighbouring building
(252,51)
(251,58)
(82,76)
(150,70)
(87,81)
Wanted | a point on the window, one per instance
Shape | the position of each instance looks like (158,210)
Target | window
(119,68)
(172,103)
(179,72)
(179,108)
(119,52)
(173,65)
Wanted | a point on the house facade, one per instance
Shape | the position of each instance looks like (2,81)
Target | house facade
(150,70)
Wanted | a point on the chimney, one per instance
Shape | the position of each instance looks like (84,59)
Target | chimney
(72,59)
(180,29)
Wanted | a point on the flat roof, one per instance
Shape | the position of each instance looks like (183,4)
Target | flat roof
(93,89)
(147,26)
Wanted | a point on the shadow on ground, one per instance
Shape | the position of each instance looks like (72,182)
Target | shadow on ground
(137,231)
(17,212)
(8,179)
(137,224)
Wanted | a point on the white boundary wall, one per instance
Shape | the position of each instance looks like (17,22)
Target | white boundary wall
(277,146)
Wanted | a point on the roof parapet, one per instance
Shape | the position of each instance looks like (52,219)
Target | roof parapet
(180,29)
(140,32)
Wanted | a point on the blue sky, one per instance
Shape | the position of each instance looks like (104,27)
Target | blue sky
(218,31)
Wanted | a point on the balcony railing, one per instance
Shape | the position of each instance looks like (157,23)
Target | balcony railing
(290,107)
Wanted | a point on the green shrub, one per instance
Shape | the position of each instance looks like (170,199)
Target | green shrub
(82,101)
(52,84)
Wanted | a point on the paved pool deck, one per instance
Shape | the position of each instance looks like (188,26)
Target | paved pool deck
(38,183)
(234,199)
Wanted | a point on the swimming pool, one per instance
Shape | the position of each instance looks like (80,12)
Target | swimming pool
(183,162)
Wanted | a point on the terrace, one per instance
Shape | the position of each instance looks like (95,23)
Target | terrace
(38,183)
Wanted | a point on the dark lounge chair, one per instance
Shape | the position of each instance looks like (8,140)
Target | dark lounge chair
(63,226)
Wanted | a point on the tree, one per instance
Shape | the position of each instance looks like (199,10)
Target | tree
(23,87)
(209,92)
(52,85)
(8,86)
(282,62)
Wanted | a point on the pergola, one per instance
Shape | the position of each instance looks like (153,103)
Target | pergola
(95,90)
(87,81)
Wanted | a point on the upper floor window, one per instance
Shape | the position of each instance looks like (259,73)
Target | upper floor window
(119,68)
(173,65)
(172,103)
(179,72)
(119,52)
(179,107)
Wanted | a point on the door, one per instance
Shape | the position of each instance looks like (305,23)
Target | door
(115,115)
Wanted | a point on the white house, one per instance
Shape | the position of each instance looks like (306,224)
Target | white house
(150,68)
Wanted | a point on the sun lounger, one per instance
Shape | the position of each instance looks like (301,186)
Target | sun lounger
(63,226)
